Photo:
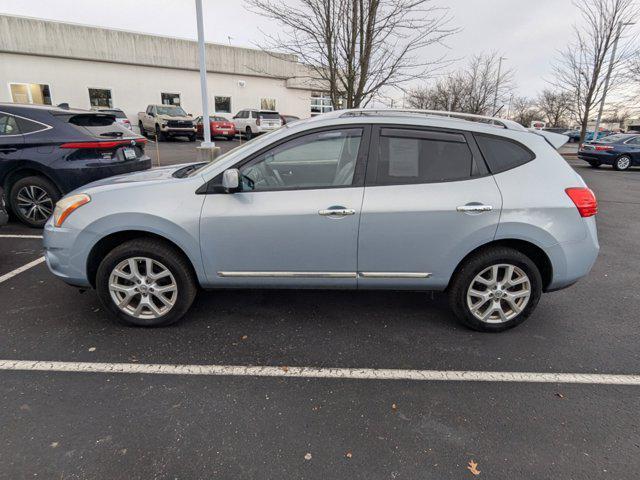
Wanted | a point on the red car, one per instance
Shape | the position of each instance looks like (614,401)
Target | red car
(220,127)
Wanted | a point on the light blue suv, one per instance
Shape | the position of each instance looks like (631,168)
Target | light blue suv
(353,199)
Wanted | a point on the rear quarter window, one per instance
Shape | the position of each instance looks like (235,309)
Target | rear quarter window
(502,154)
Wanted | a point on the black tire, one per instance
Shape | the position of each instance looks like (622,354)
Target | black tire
(595,163)
(192,138)
(162,252)
(248,133)
(473,266)
(142,130)
(160,136)
(622,163)
(18,206)
(231,137)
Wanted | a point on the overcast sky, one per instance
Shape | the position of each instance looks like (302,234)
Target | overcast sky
(527,32)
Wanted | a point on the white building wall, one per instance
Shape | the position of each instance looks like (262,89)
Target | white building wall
(134,87)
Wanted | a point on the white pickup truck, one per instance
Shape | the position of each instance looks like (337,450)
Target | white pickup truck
(163,121)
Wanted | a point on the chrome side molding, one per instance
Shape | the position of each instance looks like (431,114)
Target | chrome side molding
(395,274)
(228,274)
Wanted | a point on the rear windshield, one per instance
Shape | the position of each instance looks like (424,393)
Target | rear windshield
(218,119)
(269,115)
(115,113)
(614,138)
(98,125)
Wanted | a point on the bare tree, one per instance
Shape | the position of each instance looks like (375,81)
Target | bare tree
(470,89)
(555,107)
(583,65)
(359,47)
(524,111)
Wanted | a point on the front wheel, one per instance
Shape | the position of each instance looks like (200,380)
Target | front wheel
(495,289)
(146,282)
(622,163)
(192,138)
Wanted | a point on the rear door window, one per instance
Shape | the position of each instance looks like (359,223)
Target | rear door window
(502,154)
(8,125)
(408,156)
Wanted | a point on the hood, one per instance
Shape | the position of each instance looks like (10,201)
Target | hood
(152,175)
(172,117)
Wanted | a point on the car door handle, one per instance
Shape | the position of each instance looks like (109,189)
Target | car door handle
(336,212)
(8,150)
(474,208)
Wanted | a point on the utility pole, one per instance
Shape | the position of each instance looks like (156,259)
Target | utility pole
(206,128)
(608,77)
(495,98)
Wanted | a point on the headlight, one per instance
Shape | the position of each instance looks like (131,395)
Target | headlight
(67,205)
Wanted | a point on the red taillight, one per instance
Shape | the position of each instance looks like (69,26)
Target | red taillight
(604,147)
(103,145)
(584,199)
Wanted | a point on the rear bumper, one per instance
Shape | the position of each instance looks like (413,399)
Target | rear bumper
(76,174)
(593,156)
(573,260)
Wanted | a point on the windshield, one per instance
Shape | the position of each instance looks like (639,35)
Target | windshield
(264,138)
(171,111)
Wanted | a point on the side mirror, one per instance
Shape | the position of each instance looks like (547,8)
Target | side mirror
(231,180)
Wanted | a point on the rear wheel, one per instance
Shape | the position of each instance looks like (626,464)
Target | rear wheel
(622,163)
(595,163)
(496,289)
(145,282)
(142,130)
(32,200)
(192,138)
(249,133)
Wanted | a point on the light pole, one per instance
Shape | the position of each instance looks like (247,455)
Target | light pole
(206,128)
(606,80)
(495,97)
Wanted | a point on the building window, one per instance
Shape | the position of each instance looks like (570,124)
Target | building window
(100,97)
(30,93)
(267,104)
(170,98)
(223,104)
(320,103)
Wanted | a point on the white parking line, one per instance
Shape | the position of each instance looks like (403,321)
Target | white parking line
(21,269)
(20,236)
(313,372)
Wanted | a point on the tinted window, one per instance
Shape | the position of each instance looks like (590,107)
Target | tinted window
(98,126)
(8,125)
(403,158)
(634,141)
(502,154)
(317,160)
(27,126)
(269,115)
(115,113)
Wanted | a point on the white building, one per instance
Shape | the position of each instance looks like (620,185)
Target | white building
(52,63)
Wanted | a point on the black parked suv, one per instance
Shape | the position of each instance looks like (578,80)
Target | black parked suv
(45,152)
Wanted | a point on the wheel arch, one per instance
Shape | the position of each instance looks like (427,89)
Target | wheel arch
(23,171)
(531,250)
(109,242)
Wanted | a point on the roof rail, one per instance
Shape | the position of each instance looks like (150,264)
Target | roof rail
(499,122)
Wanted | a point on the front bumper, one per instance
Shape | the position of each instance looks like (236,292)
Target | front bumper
(63,256)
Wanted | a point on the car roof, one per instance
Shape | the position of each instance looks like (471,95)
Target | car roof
(49,108)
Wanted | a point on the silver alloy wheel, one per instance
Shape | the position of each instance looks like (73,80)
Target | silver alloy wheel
(143,288)
(34,203)
(623,163)
(499,293)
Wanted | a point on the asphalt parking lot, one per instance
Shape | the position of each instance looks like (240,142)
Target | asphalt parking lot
(74,425)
